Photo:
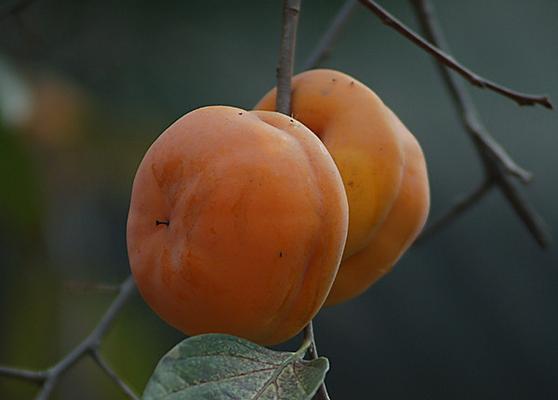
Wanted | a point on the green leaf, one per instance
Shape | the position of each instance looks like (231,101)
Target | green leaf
(216,366)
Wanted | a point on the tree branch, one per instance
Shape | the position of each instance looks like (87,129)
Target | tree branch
(86,286)
(324,46)
(321,394)
(89,346)
(457,209)
(111,374)
(523,99)
(291,9)
(498,165)
(23,374)
(531,219)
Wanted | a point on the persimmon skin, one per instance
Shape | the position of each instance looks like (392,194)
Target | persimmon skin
(382,167)
(257,221)
(396,234)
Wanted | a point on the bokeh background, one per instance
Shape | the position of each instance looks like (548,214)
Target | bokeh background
(86,86)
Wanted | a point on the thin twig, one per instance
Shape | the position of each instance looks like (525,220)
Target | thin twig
(323,49)
(457,209)
(89,346)
(85,286)
(531,219)
(113,375)
(499,167)
(291,10)
(23,374)
(523,99)
(321,394)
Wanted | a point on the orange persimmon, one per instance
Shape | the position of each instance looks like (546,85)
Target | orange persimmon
(382,166)
(237,224)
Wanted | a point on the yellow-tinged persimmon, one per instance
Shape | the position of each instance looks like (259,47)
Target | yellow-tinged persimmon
(237,224)
(382,167)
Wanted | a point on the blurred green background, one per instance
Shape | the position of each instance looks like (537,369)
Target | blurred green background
(86,86)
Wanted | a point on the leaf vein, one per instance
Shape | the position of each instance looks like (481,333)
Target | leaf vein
(228,378)
(228,355)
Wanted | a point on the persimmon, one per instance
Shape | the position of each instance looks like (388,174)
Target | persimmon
(382,166)
(237,224)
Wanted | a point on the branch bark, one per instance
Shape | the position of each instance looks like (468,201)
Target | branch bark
(324,46)
(89,346)
(523,99)
(22,374)
(291,10)
(113,375)
(498,165)
(321,394)
(456,210)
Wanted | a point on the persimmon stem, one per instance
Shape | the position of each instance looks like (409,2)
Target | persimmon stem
(291,9)
(285,66)
(321,394)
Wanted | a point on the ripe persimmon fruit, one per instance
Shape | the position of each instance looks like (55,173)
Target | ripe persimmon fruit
(237,224)
(382,166)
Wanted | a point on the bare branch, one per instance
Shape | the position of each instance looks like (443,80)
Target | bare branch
(321,394)
(456,210)
(24,374)
(127,288)
(532,220)
(479,133)
(85,286)
(322,50)
(523,99)
(498,165)
(291,10)
(110,372)
(89,346)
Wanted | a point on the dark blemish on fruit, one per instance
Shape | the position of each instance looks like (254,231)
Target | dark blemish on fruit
(352,83)
(239,113)
(157,223)
(351,183)
(280,254)
(333,79)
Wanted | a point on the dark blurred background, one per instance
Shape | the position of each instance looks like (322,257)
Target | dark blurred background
(86,86)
